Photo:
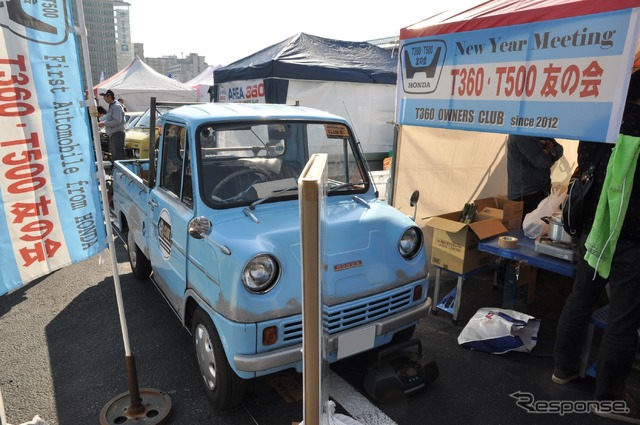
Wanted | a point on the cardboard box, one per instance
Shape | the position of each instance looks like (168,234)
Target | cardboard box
(455,244)
(519,285)
(500,207)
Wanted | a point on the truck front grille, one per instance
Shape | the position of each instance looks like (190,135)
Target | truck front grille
(351,314)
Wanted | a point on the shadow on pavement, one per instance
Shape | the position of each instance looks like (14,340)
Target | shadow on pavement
(87,359)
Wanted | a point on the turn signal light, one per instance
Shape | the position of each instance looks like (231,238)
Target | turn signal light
(417,292)
(270,335)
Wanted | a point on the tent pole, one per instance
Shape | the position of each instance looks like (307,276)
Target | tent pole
(148,406)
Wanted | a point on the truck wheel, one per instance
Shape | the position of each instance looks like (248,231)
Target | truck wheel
(223,387)
(140,265)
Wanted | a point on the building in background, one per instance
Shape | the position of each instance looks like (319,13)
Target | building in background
(101,34)
(163,64)
(181,69)
(111,47)
(124,46)
(189,67)
(138,50)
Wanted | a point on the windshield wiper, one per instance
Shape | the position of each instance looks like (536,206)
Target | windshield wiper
(273,193)
(344,186)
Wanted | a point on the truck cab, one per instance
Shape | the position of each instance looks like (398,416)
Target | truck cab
(213,216)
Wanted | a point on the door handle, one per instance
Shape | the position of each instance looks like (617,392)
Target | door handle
(152,203)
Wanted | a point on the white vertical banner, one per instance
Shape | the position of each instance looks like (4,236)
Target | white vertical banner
(312,187)
(50,210)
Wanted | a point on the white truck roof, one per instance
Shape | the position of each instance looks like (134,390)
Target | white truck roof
(248,111)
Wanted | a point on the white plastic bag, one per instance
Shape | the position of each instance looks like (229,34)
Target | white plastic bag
(533,225)
(497,331)
(333,418)
(37,420)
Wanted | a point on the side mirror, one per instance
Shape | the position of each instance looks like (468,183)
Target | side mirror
(199,227)
(413,201)
(414,198)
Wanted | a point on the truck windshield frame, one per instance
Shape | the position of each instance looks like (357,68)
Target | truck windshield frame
(261,162)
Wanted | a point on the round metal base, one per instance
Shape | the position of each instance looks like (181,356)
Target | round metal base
(155,409)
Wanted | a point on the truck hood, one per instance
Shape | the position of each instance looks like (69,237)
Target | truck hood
(360,253)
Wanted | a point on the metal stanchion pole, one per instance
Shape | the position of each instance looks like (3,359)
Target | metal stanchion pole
(139,406)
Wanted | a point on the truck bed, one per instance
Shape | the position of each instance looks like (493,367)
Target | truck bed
(136,169)
(130,198)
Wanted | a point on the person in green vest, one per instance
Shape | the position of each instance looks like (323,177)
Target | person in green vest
(609,252)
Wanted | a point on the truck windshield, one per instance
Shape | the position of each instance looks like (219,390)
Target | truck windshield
(243,164)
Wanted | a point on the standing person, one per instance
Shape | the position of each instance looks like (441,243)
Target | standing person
(121,101)
(609,253)
(101,112)
(114,125)
(529,162)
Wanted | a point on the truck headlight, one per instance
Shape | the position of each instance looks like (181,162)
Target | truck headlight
(410,243)
(260,273)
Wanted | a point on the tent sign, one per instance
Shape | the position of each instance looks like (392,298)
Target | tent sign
(562,78)
(50,210)
(250,91)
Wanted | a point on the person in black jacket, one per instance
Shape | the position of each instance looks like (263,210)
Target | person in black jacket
(620,340)
(529,162)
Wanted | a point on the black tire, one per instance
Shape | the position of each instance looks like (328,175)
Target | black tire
(140,264)
(221,384)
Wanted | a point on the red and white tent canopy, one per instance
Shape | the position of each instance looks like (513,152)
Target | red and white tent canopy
(501,13)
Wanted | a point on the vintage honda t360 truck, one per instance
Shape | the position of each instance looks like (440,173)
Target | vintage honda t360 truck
(213,218)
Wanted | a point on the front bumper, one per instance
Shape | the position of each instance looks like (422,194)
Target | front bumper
(290,355)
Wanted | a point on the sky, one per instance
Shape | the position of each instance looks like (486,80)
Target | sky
(226,31)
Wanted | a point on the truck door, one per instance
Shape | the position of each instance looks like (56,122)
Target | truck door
(172,208)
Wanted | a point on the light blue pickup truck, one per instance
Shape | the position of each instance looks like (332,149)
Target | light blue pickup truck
(215,221)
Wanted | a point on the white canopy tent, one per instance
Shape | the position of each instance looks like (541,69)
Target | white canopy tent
(203,82)
(138,82)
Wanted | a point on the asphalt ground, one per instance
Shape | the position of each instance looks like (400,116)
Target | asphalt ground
(62,358)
